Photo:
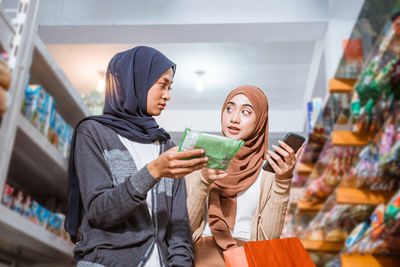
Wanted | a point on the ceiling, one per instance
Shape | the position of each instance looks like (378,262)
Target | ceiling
(279,46)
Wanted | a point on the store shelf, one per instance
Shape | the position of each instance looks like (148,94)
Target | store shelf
(361,196)
(344,138)
(45,71)
(369,260)
(41,158)
(306,206)
(304,168)
(17,230)
(7,32)
(341,86)
(322,246)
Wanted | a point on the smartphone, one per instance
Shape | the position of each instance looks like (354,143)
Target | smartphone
(295,141)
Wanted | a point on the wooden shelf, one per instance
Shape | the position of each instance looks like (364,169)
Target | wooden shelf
(341,86)
(305,206)
(358,260)
(38,162)
(45,71)
(304,168)
(347,138)
(360,196)
(16,230)
(7,32)
(323,246)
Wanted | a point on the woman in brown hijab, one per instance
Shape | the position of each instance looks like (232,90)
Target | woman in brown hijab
(228,208)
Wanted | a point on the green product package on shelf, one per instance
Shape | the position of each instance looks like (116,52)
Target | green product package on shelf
(220,150)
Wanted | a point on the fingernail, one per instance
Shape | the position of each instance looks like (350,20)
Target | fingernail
(274,146)
(280,142)
(206,158)
(269,151)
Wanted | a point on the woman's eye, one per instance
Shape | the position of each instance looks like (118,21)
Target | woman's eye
(229,108)
(246,112)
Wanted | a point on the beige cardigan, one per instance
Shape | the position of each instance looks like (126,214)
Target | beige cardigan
(270,214)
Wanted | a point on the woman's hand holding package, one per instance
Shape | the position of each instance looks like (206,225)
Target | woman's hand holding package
(211,175)
(173,164)
(283,167)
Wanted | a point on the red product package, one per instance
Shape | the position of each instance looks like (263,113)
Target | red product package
(7,196)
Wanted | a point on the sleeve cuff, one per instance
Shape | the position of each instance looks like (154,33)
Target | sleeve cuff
(143,181)
(282,186)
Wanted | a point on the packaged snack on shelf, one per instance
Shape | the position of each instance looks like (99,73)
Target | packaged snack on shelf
(26,207)
(52,135)
(356,234)
(60,128)
(57,224)
(66,139)
(220,150)
(18,201)
(54,223)
(61,135)
(336,223)
(392,213)
(30,102)
(335,163)
(35,212)
(3,101)
(7,196)
(41,115)
(44,216)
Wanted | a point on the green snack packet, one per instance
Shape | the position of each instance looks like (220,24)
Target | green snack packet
(220,150)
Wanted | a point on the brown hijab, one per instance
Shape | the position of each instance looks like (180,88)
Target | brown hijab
(242,171)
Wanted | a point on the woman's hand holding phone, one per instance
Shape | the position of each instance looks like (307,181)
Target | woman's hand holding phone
(284,165)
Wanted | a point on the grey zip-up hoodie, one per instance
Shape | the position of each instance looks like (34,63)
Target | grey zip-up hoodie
(117,229)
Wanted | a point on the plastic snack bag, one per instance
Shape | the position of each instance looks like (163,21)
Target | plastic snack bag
(220,150)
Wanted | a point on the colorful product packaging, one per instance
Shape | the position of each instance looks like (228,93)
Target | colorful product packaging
(7,196)
(26,207)
(60,128)
(51,135)
(31,100)
(18,201)
(44,216)
(35,212)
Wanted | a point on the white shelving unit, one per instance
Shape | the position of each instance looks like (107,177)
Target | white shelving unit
(26,156)
(16,230)
(7,32)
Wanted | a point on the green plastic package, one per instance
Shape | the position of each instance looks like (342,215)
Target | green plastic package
(220,150)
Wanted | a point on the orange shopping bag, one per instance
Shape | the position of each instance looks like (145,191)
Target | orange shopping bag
(284,252)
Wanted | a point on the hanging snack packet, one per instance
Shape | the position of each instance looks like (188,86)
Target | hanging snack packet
(392,210)
(220,150)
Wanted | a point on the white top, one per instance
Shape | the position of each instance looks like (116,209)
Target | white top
(143,154)
(247,202)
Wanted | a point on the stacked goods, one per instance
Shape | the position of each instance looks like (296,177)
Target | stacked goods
(5,82)
(380,234)
(23,204)
(379,163)
(333,164)
(335,224)
(39,108)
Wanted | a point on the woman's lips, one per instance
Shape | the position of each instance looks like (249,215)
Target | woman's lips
(162,106)
(233,130)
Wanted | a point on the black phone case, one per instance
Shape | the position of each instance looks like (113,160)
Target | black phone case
(294,141)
